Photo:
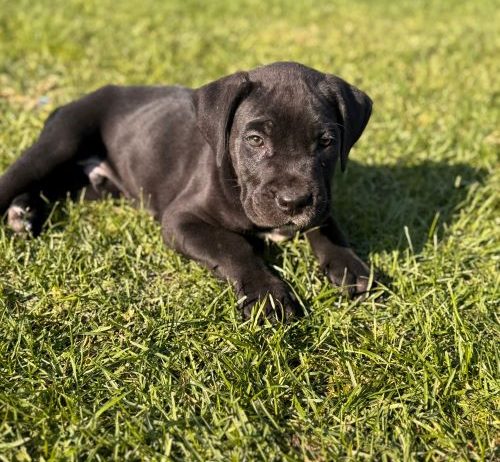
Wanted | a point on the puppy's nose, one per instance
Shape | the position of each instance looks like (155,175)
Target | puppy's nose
(292,203)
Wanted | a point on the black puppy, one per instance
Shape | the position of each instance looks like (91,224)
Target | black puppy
(251,154)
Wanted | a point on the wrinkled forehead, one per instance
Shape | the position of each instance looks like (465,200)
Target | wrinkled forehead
(289,105)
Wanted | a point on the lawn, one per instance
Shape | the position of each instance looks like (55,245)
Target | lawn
(113,347)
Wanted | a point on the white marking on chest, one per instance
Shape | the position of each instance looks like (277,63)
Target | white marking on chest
(274,236)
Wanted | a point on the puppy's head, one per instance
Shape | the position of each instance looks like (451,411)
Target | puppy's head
(283,127)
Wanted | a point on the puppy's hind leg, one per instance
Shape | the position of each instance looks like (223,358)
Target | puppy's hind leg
(59,144)
(28,211)
(92,177)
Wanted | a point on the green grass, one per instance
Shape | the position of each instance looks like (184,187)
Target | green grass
(113,347)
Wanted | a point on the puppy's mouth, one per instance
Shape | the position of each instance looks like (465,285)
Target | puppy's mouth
(272,218)
(310,218)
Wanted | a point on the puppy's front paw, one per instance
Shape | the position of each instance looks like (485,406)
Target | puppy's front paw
(346,270)
(276,302)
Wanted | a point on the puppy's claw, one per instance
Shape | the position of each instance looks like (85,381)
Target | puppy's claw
(276,307)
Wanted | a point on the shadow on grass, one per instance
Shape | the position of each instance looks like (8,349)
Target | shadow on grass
(374,204)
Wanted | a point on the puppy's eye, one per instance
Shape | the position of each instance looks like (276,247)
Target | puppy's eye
(325,140)
(255,141)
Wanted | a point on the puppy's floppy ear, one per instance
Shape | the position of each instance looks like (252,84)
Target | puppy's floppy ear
(354,110)
(215,105)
